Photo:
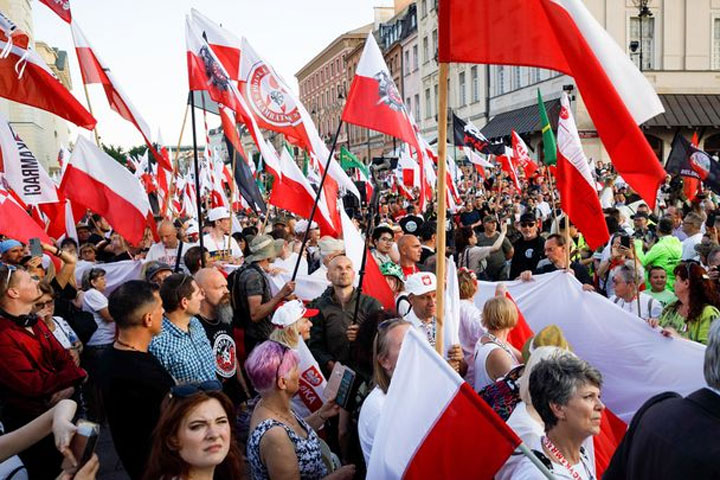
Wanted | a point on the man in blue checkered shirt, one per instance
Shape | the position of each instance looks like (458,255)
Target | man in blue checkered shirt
(182,347)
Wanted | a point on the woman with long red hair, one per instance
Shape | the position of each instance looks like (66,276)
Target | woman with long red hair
(194,438)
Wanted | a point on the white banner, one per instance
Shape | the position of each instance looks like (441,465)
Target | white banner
(116,273)
(636,361)
(23,173)
(309,397)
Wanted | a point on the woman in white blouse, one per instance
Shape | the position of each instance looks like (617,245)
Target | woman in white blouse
(63,332)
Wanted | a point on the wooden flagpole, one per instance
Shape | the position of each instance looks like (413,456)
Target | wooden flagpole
(87,97)
(176,164)
(441,205)
(197,176)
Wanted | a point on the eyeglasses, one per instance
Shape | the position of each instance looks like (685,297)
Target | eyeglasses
(187,389)
(385,324)
(527,225)
(179,288)
(41,305)
(386,239)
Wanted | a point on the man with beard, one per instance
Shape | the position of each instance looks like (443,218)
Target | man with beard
(216,318)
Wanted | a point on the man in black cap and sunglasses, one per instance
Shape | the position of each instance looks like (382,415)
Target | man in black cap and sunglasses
(132,381)
(529,249)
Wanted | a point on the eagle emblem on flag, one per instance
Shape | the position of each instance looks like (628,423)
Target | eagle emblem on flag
(213,70)
(388,93)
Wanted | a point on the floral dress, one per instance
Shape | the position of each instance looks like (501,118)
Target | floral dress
(307,450)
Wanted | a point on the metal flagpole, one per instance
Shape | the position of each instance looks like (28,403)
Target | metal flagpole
(197,178)
(536,461)
(317,199)
(441,205)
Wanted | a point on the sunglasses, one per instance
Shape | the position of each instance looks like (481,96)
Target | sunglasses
(11,269)
(42,305)
(187,389)
(526,225)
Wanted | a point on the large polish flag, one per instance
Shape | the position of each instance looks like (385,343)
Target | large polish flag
(95,181)
(16,223)
(60,7)
(575,182)
(293,192)
(451,433)
(26,78)
(563,35)
(374,101)
(94,70)
(22,171)
(206,72)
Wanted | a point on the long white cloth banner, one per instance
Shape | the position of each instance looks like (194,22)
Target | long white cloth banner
(116,273)
(636,361)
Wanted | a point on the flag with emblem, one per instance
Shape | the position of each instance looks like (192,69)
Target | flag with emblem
(60,7)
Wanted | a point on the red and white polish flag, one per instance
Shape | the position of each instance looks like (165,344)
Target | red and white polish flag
(521,153)
(452,433)
(293,192)
(575,182)
(94,70)
(60,7)
(95,181)
(563,35)
(374,101)
(22,171)
(26,78)
(15,222)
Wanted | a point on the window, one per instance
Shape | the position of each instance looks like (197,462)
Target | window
(516,78)
(408,105)
(417,107)
(332,69)
(716,44)
(426,50)
(475,84)
(499,80)
(406,65)
(461,89)
(535,75)
(428,103)
(434,46)
(647,49)
(415,57)
(435,103)
(423,8)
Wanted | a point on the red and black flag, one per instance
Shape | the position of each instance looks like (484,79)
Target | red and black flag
(468,135)
(687,160)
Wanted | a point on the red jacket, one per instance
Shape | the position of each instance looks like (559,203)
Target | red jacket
(33,367)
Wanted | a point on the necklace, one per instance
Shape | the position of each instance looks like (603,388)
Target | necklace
(501,344)
(126,345)
(560,458)
(283,416)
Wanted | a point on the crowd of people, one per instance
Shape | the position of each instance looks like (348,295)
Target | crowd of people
(205,363)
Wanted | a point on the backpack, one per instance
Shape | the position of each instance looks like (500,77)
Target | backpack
(504,395)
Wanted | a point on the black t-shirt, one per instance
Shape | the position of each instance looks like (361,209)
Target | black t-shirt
(133,385)
(225,352)
(251,281)
(527,255)
(468,218)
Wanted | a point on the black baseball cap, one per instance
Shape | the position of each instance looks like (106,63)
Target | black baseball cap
(527,218)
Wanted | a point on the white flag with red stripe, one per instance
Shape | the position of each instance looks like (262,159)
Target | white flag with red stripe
(521,154)
(94,70)
(22,171)
(451,433)
(94,180)
(575,182)
(563,35)
(15,223)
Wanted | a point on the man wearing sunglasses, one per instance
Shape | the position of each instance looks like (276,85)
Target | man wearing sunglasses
(36,372)
(529,249)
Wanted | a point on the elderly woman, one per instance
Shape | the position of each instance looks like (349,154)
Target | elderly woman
(281,444)
(565,393)
(696,307)
(494,356)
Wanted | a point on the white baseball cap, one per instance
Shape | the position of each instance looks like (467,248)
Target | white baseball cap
(290,312)
(218,213)
(420,283)
(302,225)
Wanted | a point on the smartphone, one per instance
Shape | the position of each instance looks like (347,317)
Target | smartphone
(340,384)
(36,249)
(625,241)
(84,441)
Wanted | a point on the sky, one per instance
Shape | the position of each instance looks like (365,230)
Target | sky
(143,44)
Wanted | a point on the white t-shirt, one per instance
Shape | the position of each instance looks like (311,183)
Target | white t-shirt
(688,247)
(93,302)
(158,252)
(649,306)
(528,429)
(216,249)
(469,332)
(369,419)
(64,333)
(585,468)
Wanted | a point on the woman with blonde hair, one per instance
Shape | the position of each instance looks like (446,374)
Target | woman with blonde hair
(470,319)
(494,356)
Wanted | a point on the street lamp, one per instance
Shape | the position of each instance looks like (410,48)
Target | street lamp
(341,97)
(643,12)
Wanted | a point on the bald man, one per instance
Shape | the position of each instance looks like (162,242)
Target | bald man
(216,318)
(166,250)
(410,250)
